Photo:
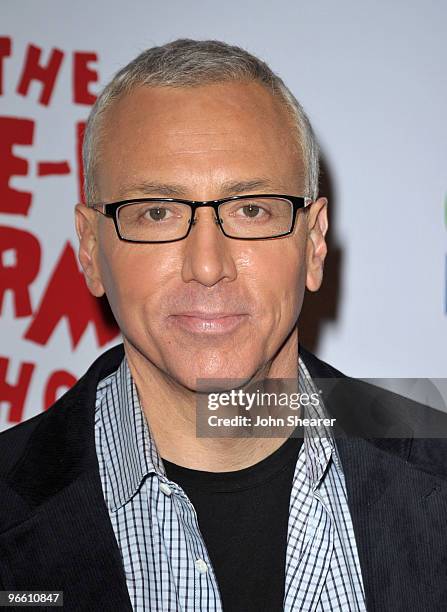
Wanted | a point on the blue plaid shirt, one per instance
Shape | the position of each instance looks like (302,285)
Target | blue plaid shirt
(165,559)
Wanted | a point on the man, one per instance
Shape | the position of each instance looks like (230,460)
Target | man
(203,228)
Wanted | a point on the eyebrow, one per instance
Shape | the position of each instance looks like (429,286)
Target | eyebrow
(172,190)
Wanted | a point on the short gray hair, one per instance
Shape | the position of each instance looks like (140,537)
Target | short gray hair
(189,63)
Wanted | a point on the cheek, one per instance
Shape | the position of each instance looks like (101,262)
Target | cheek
(276,275)
(134,276)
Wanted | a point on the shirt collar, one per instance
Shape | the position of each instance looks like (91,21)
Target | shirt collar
(127,445)
(130,452)
(318,442)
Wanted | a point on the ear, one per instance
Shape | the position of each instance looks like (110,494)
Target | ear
(86,229)
(316,248)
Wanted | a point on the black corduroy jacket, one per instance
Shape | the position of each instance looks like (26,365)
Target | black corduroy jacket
(55,531)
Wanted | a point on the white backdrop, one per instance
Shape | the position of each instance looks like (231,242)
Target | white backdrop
(372,78)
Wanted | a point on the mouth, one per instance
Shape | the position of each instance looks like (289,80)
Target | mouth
(208,323)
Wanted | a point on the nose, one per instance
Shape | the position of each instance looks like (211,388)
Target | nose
(207,256)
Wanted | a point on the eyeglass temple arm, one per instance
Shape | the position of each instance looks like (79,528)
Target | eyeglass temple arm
(99,206)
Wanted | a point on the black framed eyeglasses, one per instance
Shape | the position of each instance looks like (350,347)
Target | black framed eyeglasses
(245,217)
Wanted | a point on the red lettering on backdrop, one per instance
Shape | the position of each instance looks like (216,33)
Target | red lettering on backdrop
(34,71)
(52,168)
(57,381)
(15,395)
(80,129)
(67,296)
(83,76)
(5,51)
(17,277)
(14,131)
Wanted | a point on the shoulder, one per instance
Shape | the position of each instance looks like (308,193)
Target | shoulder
(317,367)
(17,441)
(392,423)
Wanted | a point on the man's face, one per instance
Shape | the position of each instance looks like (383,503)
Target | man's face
(207,306)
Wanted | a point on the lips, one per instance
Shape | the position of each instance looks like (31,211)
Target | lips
(199,322)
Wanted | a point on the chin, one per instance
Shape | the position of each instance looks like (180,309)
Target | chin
(225,376)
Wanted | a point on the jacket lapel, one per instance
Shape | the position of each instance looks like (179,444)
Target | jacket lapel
(61,537)
(398,515)
(397,508)
(68,545)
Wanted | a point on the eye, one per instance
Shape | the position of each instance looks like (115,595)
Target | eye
(156,213)
(252,211)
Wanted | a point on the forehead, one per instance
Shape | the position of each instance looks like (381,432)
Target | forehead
(217,132)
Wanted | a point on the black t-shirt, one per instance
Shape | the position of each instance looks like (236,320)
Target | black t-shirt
(243,517)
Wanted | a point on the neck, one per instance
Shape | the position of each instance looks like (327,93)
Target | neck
(170,410)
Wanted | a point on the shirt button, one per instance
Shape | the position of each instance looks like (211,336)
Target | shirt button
(201,566)
(165,488)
